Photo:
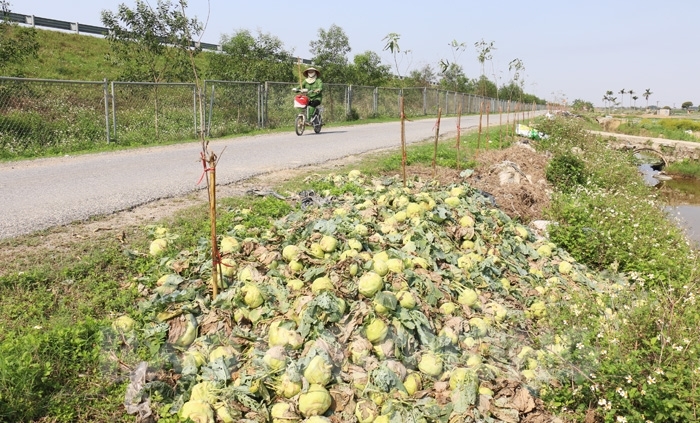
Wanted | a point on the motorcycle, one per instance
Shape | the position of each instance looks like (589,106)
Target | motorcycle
(301,101)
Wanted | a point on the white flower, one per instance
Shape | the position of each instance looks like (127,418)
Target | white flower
(651,380)
(602,401)
(659,371)
(621,419)
(38,327)
(629,379)
(622,392)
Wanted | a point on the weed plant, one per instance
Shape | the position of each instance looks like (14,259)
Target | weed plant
(685,168)
(675,129)
(635,355)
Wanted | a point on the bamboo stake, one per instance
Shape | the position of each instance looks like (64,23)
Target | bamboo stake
(437,135)
(209,160)
(488,125)
(216,262)
(500,125)
(459,132)
(508,120)
(478,138)
(403,141)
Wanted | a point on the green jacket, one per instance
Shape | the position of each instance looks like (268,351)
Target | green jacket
(315,89)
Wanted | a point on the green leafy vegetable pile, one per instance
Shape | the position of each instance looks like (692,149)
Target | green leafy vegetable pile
(383,304)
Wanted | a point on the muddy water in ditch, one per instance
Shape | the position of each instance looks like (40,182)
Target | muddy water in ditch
(682,197)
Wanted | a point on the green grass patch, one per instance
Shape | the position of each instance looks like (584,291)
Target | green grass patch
(685,168)
(669,128)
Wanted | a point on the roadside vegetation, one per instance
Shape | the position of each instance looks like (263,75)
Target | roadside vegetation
(622,335)
(626,344)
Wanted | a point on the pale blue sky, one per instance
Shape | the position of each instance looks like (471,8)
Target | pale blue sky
(570,49)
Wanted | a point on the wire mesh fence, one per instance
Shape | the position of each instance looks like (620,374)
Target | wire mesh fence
(279,104)
(232,107)
(39,117)
(144,112)
(362,102)
(44,117)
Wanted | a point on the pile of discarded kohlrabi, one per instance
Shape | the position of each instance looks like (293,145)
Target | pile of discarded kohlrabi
(388,303)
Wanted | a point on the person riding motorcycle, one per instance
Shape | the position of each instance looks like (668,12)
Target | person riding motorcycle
(314,88)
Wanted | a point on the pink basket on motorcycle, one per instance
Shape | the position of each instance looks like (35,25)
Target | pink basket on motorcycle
(301,101)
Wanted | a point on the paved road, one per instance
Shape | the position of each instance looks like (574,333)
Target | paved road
(39,194)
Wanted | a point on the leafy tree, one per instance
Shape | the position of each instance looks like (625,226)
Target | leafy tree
(631,93)
(152,45)
(646,95)
(622,93)
(367,69)
(687,105)
(484,53)
(516,81)
(609,98)
(457,50)
(392,45)
(511,90)
(16,43)
(635,98)
(454,79)
(582,106)
(424,77)
(248,58)
(486,88)
(330,53)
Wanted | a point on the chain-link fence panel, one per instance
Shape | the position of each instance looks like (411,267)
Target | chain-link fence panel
(450,103)
(278,101)
(432,101)
(232,107)
(414,102)
(146,112)
(44,117)
(388,102)
(362,104)
(335,102)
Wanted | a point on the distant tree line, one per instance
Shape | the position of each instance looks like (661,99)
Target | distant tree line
(155,45)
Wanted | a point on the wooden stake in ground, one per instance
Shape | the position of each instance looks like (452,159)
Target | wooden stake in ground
(437,135)
(209,160)
(459,132)
(488,124)
(508,119)
(403,141)
(478,138)
(500,124)
(209,164)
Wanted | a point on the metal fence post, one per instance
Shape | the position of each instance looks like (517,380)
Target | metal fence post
(264,105)
(194,107)
(375,102)
(106,96)
(211,110)
(114,112)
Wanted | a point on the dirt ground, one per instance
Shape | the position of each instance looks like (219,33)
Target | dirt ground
(514,177)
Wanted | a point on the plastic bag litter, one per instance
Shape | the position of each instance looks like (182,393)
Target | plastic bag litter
(134,398)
